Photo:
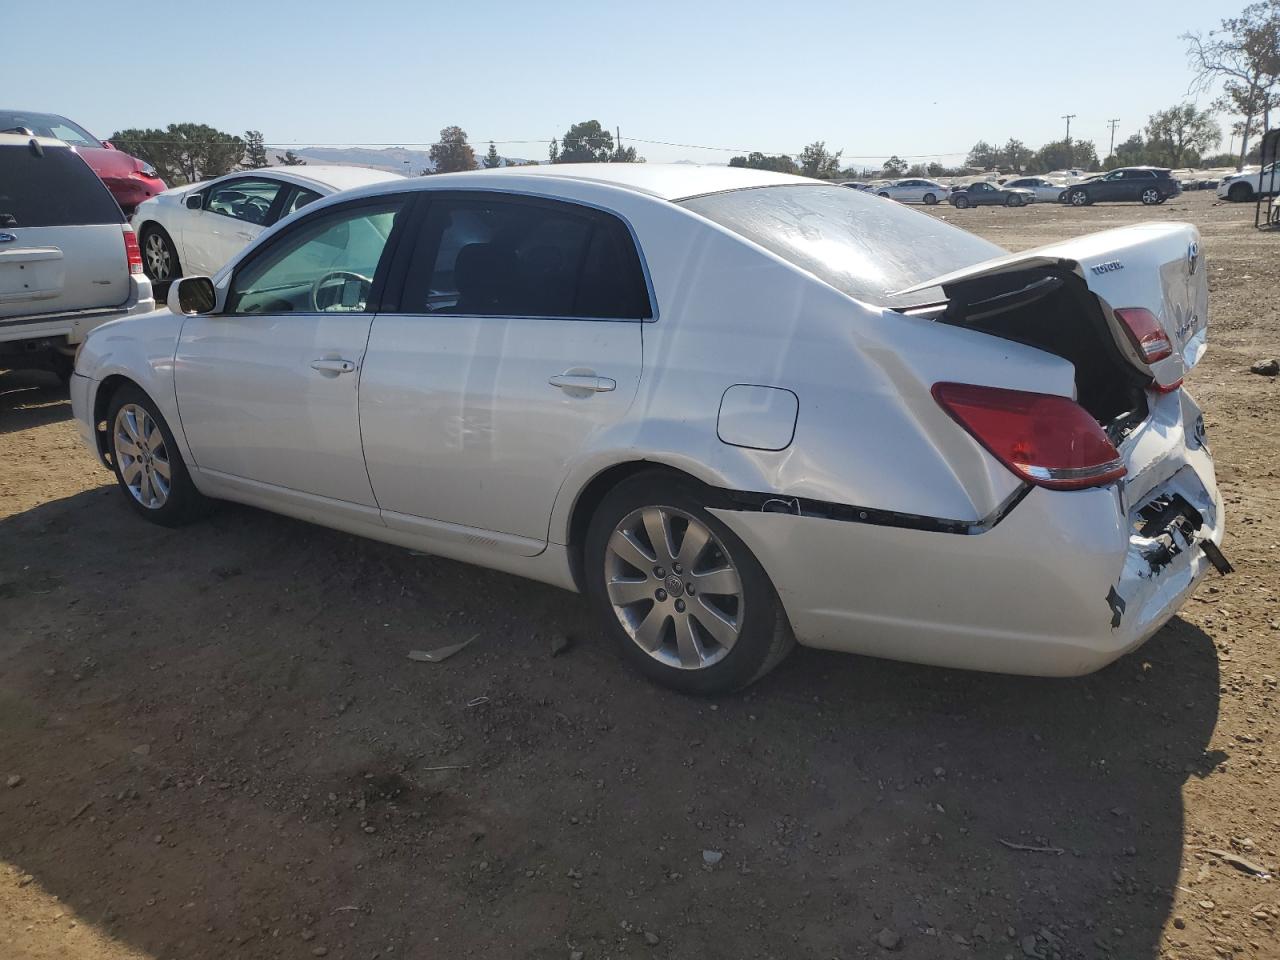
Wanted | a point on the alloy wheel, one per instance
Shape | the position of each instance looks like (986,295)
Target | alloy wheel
(143,456)
(159,259)
(1079,198)
(1150,196)
(673,587)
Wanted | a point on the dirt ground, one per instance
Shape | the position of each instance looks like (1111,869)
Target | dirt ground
(224,751)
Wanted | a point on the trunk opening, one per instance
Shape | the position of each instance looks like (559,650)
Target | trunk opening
(1053,310)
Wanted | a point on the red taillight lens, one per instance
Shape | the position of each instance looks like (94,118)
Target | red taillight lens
(1047,440)
(131,251)
(1145,333)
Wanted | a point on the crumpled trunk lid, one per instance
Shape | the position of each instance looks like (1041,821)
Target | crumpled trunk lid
(1157,266)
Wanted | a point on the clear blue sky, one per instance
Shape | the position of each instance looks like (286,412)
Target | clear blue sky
(922,78)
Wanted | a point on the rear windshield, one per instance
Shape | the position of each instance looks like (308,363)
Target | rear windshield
(863,245)
(54,190)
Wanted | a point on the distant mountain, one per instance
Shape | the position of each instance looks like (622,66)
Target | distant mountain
(395,159)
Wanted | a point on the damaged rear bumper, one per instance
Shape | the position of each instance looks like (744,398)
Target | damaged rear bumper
(1064,584)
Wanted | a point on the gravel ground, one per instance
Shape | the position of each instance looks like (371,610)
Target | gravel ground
(216,747)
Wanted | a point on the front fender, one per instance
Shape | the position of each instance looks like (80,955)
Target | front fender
(140,349)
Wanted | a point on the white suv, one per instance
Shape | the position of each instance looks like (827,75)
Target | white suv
(68,259)
(1248,185)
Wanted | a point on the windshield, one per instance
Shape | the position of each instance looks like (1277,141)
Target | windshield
(856,242)
(49,125)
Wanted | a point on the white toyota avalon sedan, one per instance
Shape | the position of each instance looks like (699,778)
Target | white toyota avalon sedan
(737,409)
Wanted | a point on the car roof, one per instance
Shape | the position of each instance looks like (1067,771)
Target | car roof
(22,140)
(334,176)
(667,181)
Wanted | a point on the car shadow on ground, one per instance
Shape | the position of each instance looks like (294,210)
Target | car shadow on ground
(31,398)
(224,747)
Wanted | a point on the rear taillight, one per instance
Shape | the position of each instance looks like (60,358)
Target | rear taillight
(131,251)
(1145,333)
(1044,439)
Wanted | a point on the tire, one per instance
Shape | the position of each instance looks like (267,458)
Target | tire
(623,567)
(1240,193)
(1013,201)
(930,199)
(1062,197)
(159,255)
(1078,198)
(961,203)
(132,415)
(886,196)
(1150,197)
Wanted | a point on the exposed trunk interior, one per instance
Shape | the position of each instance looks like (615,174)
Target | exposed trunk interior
(1054,310)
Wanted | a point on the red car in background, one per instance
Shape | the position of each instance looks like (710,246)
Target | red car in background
(129,179)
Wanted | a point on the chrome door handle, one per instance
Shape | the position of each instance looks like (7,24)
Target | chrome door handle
(334,367)
(570,381)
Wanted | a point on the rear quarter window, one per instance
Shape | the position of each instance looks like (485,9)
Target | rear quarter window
(54,190)
(851,240)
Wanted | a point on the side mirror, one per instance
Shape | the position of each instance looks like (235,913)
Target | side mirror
(192,296)
(194,201)
(108,145)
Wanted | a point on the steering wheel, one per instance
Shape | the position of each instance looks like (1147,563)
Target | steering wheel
(366,288)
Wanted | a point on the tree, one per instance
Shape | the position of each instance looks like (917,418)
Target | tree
(553,152)
(895,166)
(183,152)
(291,159)
(1062,154)
(1176,137)
(1245,53)
(452,152)
(817,161)
(1016,155)
(255,152)
(491,159)
(585,142)
(758,161)
(983,156)
(623,154)
(1131,153)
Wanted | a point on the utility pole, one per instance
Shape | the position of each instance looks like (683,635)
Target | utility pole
(1068,117)
(1112,151)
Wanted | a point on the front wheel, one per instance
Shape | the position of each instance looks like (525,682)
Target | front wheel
(689,605)
(1239,193)
(961,202)
(1078,198)
(1150,197)
(147,463)
(159,256)
(930,199)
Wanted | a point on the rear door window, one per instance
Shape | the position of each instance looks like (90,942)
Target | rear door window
(502,256)
(54,190)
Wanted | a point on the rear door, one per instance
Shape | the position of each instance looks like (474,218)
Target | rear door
(61,234)
(517,339)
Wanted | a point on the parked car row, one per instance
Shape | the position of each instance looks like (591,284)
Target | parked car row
(1147,185)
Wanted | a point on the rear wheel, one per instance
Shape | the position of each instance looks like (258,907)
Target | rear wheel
(147,463)
(159,256)
(1150,197)
(1239,193)
(886,196)
(684,598)
(930,199)
(1078,198)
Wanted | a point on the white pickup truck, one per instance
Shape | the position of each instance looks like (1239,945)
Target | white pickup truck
(68,259)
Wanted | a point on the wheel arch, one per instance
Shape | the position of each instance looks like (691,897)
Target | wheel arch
(592,494)
(107,388)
